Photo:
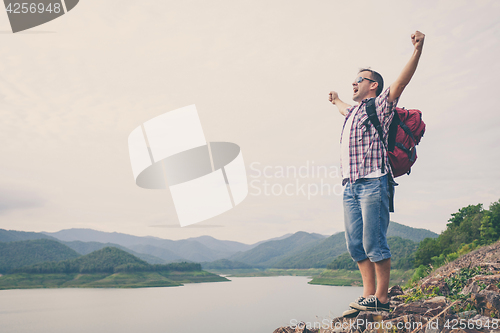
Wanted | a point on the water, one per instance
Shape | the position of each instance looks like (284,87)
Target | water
(244,305)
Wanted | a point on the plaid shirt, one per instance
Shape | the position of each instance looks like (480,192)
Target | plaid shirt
(365,148)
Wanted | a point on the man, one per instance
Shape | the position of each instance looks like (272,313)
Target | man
(367,175)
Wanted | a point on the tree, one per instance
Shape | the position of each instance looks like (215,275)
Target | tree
(462,213)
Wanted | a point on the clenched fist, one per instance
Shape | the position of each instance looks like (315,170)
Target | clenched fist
(417,40)
(333,96)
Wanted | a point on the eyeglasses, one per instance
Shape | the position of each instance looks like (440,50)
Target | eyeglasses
(360,79)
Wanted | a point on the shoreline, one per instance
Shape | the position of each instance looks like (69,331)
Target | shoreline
(106,280)
(319,276)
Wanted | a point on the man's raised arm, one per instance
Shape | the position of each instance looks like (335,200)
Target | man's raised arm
(334,98)
(404,78)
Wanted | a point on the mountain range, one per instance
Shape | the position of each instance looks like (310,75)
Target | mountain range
(298,250)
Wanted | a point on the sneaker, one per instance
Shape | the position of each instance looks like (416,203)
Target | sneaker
(350,313)
(371,303)
(359,300)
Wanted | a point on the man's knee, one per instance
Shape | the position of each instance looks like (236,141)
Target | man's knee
(356,251)
(377,251)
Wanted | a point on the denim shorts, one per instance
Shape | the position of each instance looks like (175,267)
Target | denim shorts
(366,218)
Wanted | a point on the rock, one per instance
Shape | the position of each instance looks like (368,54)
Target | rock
(435,305)
(342,325)
(409,316)
(487,257)
(432,330)
(369,319)
(467,314)
(430,284)
(407,323)
(459,330)
(493,287)
(428,308)
(491,267)
(472,288)
(483,321)
(488,279)
(454,325)
(395,291)
(413,308)
(363,322)
(283,330)
(474,284)
(487,300)
(301,328)
(395,303)
(439,300)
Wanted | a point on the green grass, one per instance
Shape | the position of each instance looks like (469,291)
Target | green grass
(27,281)
(103,280)
(133,280)
(342,277)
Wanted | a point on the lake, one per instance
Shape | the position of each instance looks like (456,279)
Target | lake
(244,305)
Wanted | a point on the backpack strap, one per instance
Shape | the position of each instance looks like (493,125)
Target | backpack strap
(408,132)
(372,116)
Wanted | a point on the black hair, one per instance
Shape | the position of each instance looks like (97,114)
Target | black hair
(377,77)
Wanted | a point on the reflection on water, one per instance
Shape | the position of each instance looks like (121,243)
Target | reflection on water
(244,305)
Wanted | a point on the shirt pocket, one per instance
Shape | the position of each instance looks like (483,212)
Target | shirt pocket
(363,126)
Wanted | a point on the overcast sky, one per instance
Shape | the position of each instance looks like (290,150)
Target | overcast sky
(259,73)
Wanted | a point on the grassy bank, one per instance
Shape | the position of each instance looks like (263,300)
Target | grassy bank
(103,280)
(342,277)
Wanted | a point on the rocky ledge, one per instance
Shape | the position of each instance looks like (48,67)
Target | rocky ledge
(462,296)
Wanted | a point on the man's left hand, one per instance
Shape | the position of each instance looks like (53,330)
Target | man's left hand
(417,40)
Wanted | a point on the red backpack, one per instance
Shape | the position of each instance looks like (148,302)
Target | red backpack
(405,132)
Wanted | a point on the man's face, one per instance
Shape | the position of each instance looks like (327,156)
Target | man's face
(363,89)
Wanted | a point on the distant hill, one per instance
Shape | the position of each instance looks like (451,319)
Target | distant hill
(321,252)
(91,235)
(224,264)
(317,256)
(272,239)
(88,247)
(83,247)
(222,245)
(300,250)
(157,252)
(106,260)
(198,249)
(101,261)
(105,268)
(151,249)
(14,236)
(268,253)
(29,252)
(414,234)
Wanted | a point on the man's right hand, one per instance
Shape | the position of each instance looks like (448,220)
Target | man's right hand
(335,100)
(333,96)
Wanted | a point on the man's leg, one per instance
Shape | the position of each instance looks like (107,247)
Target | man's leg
(383,272)
(374,200)
(353,221)
(367,269)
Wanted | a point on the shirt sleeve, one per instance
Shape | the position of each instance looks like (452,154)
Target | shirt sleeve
(348,110)
(385,109)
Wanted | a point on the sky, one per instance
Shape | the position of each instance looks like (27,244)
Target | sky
(259,73)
